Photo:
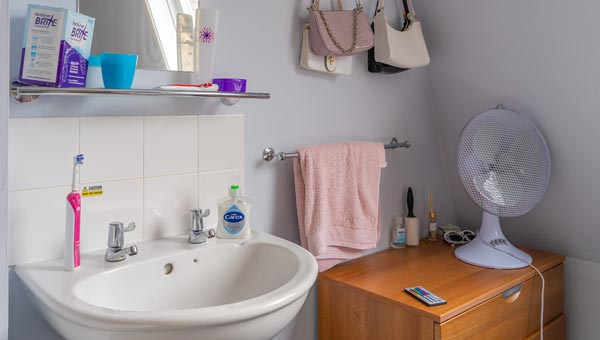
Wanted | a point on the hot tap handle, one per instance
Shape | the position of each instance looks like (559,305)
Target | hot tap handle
(201,213)
(198,215)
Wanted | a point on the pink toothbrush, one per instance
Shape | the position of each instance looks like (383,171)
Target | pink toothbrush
(73,220)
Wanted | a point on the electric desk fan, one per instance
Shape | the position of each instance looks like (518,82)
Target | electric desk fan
(504,165)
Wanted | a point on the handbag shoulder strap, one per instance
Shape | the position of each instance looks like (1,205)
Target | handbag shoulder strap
(410,10)
(405,12)
(316,4)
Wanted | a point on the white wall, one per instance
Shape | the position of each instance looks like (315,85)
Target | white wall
(4,35)
(539,58)
(260,41)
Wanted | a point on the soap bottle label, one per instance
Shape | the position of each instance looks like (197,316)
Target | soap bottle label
(401,236)
(234,220)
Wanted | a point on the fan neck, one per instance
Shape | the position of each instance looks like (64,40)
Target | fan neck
(490,227)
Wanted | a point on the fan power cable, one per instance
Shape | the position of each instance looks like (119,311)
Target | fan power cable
(493,246)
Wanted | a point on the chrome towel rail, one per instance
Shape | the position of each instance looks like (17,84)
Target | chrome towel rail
(269,154)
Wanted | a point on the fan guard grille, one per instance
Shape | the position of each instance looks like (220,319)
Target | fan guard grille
(503,162)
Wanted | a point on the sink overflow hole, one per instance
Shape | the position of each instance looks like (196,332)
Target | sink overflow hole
(167,269)
(195,260)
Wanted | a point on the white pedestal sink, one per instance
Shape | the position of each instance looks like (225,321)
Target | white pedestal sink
(225,289)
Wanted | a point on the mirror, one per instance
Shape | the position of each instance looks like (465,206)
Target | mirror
(160,32)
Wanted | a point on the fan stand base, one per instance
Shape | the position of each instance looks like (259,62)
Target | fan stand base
(481,252)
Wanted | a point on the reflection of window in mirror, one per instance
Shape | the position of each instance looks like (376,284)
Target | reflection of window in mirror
(185,42)
(160,32)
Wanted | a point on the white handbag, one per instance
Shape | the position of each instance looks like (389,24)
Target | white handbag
(405,48)
(327,64)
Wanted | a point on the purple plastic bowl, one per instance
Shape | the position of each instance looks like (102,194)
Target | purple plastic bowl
(230,84)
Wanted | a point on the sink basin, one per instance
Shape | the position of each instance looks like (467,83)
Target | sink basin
(224,289)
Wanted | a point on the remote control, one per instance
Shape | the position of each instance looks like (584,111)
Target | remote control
(425,296)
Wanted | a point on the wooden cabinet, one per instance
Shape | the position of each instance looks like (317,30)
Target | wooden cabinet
(364,299)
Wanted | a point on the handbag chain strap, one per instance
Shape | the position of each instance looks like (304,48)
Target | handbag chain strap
(356,13)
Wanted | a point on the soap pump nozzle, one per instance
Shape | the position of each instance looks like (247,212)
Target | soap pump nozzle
(234,189)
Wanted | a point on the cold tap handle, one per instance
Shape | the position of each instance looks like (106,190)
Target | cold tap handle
(115,233)
(130,227)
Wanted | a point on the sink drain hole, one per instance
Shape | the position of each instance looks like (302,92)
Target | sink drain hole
(195,260)
(167,269)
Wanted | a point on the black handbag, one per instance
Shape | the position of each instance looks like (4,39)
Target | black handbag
(376,67)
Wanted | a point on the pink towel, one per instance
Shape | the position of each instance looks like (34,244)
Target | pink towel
(337,197)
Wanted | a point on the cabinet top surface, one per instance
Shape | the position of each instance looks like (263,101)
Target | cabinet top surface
(385,274)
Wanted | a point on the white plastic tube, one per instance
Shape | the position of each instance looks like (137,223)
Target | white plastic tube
(205,43)
(412,231)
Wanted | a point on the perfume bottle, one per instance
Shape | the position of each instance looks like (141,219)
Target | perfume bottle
(432,221)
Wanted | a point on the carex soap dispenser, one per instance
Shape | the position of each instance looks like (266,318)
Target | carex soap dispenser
(234,214)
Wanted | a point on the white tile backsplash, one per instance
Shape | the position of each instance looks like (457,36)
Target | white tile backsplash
(214,185)
(153,171)
(167,204)
(220,142)
(41,151)
(121,201)
(36,220)
(170,145)
(113,148)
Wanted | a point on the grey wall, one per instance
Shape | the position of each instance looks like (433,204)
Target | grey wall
(260,41)
(539,58)
(4,35)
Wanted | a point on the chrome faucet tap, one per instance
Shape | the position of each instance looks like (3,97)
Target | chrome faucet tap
(116,252)
(197,232)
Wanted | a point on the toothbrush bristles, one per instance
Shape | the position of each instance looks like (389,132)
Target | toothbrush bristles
(79,158)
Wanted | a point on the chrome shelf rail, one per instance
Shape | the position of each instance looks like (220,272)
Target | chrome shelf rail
(26,94)
(269,154)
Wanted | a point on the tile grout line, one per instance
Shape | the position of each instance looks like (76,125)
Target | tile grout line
(102,181)
(143,178)
(197,161)
(79,141)
(197,196)
(243,177)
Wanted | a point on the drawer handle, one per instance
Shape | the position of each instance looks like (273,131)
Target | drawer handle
(512,294)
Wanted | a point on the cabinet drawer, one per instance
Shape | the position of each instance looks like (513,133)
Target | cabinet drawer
(553,297)
(554,330)
(503,317)
(509,316)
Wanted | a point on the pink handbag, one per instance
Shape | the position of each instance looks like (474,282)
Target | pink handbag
(340,32)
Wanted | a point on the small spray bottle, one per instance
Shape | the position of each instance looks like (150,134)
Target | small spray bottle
(432,220)
(398,233)
(72,228)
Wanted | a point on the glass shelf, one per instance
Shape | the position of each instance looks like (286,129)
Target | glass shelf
(23,93)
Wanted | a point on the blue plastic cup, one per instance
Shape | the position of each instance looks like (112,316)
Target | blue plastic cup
(118,70)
